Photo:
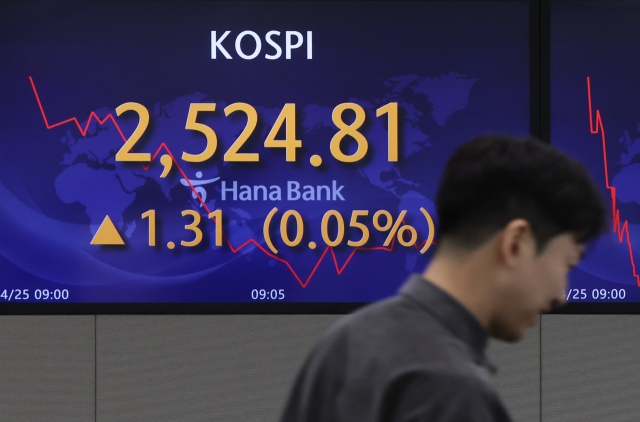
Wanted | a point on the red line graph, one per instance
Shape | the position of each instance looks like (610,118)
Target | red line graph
(339,269)
(619,227)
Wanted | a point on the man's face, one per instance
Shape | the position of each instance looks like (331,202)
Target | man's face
(537,285)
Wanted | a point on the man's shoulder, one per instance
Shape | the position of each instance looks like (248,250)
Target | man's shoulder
(396,332)
(439,394)
(389,356)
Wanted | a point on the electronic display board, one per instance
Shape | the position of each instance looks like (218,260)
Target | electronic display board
(595,95)
(240,152)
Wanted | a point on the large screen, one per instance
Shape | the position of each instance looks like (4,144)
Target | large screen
(595,99)
(240,152)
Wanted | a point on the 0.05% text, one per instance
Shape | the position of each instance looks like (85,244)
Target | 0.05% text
(333,229)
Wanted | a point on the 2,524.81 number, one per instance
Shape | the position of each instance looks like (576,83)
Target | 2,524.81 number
(287,118)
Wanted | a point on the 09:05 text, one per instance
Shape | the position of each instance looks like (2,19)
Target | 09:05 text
(263,294)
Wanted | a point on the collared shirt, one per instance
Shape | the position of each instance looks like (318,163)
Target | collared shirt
(418,356)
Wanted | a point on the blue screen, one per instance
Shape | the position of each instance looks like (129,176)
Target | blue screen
(595,70)
(314,134)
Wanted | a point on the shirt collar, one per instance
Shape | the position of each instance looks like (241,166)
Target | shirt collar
(451,313)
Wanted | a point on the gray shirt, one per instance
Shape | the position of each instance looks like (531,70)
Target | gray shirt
(418,356)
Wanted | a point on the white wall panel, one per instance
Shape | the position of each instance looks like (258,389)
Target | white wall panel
(200,368)
(518,377)
(47,370)
(590,368)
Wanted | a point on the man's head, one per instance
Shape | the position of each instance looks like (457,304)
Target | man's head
(529,208)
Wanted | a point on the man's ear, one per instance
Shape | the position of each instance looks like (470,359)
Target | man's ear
(516,241)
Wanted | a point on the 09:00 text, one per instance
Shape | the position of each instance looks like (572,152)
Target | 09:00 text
(38,294)
(596,294)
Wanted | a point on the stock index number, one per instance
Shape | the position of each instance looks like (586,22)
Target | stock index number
(286,119)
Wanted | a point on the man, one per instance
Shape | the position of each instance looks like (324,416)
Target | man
(514,216)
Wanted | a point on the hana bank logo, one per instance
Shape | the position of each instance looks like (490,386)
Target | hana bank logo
(198,186)
(293,190)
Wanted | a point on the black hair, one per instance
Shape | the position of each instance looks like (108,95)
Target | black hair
(494,179)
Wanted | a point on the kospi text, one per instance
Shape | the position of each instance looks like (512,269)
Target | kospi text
(250,50)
